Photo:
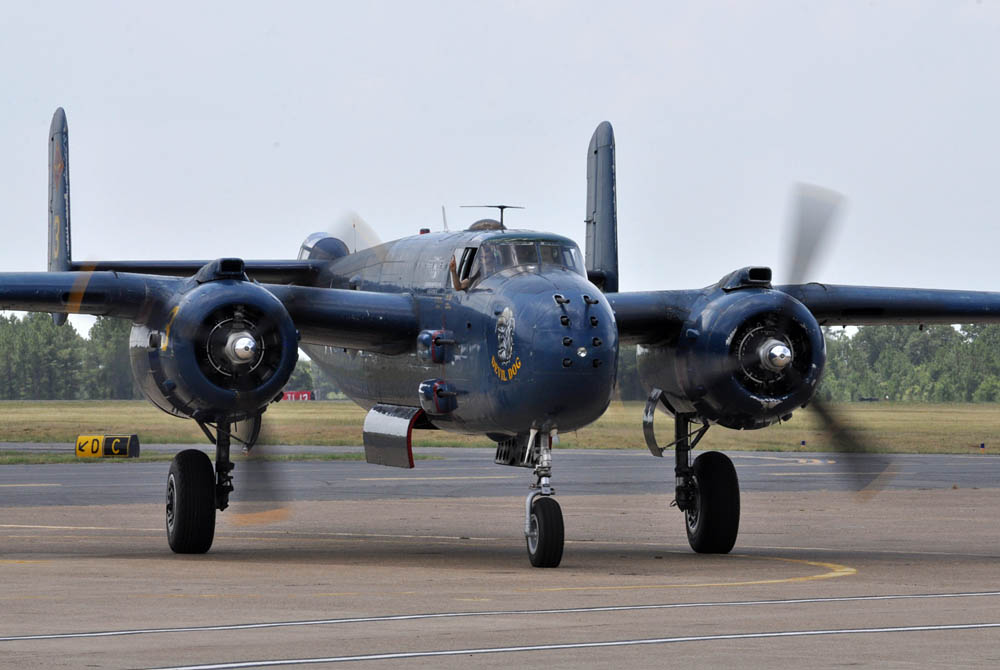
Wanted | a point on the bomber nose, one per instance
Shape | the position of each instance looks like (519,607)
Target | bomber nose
(575,348)
(585,330)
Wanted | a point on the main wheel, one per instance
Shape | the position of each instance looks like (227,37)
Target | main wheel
(191,503)
(545,541)
(714,520)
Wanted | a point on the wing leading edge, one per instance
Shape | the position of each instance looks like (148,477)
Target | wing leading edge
(837,305)
(379,322)
(656,317)
(265,271)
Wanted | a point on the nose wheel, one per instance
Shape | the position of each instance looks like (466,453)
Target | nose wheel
(544,532)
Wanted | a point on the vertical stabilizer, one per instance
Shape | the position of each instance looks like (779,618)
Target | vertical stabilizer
(59,248)
(602,210)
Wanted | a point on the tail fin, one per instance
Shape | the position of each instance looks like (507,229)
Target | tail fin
(602,210)
(59,245)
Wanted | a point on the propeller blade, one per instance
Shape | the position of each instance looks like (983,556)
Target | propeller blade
(261,493)
(870,471)
(78,291)
(814,216)
(354,231)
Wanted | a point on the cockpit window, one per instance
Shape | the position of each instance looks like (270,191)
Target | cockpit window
(525,254)
(561,255)
(528,255)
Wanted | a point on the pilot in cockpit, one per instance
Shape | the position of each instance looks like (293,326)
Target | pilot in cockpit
(468,272)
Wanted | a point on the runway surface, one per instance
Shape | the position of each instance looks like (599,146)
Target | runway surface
(376,567)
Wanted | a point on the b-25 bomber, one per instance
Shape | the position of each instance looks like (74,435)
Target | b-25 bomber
(492,331)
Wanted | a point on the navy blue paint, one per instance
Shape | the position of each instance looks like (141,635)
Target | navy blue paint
(541,392)
(302,272)
(696,370)
(872,305)
(59,239)
(602,210)
(360,316)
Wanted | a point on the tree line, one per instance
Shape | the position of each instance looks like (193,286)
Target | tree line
(42,361)
(911,364)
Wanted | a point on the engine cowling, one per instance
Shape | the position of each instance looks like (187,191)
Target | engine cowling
(744,359)
(221,350)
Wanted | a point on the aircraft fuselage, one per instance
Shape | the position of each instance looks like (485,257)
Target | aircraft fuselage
(534,342)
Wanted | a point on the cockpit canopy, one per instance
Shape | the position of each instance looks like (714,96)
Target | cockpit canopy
(524,255)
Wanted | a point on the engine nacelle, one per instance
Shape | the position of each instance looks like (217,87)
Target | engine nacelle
(744,359)
(221,350)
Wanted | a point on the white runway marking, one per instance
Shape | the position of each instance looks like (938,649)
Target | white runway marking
(406,479)
(580,645)
(493,613)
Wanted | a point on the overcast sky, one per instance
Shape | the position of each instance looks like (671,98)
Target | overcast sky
(202,130)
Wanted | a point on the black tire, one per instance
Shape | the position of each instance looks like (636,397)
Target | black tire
(714,521)
(191,503)
(545,543)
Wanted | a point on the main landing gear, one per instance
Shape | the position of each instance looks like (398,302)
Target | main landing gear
(195,490)
(708,491)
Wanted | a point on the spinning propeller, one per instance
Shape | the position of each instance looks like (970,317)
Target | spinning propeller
(261,492)
(354,231)
(815,215)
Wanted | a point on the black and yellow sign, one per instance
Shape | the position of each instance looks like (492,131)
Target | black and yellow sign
(107,446)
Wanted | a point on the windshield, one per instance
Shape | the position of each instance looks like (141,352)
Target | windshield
(529,255)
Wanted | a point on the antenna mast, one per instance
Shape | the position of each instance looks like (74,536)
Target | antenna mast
(500,207)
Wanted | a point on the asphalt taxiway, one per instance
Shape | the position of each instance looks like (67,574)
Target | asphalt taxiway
(375,567)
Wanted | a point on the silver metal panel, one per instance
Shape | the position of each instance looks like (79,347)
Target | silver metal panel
(387,434)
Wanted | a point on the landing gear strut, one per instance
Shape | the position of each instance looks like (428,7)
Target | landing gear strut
(223,466)
(543,523)
(707,491)
(195,490)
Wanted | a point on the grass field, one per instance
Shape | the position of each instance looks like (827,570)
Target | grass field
(891,427)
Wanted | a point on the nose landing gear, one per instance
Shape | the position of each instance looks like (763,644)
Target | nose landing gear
(543,521)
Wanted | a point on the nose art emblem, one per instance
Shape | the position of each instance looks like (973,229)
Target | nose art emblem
(505,336)
(505,364)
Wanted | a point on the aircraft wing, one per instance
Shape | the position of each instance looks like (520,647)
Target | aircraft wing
(656,317)
(651,317)
(97,293)
(381,322)
(873,305)
(265,271)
